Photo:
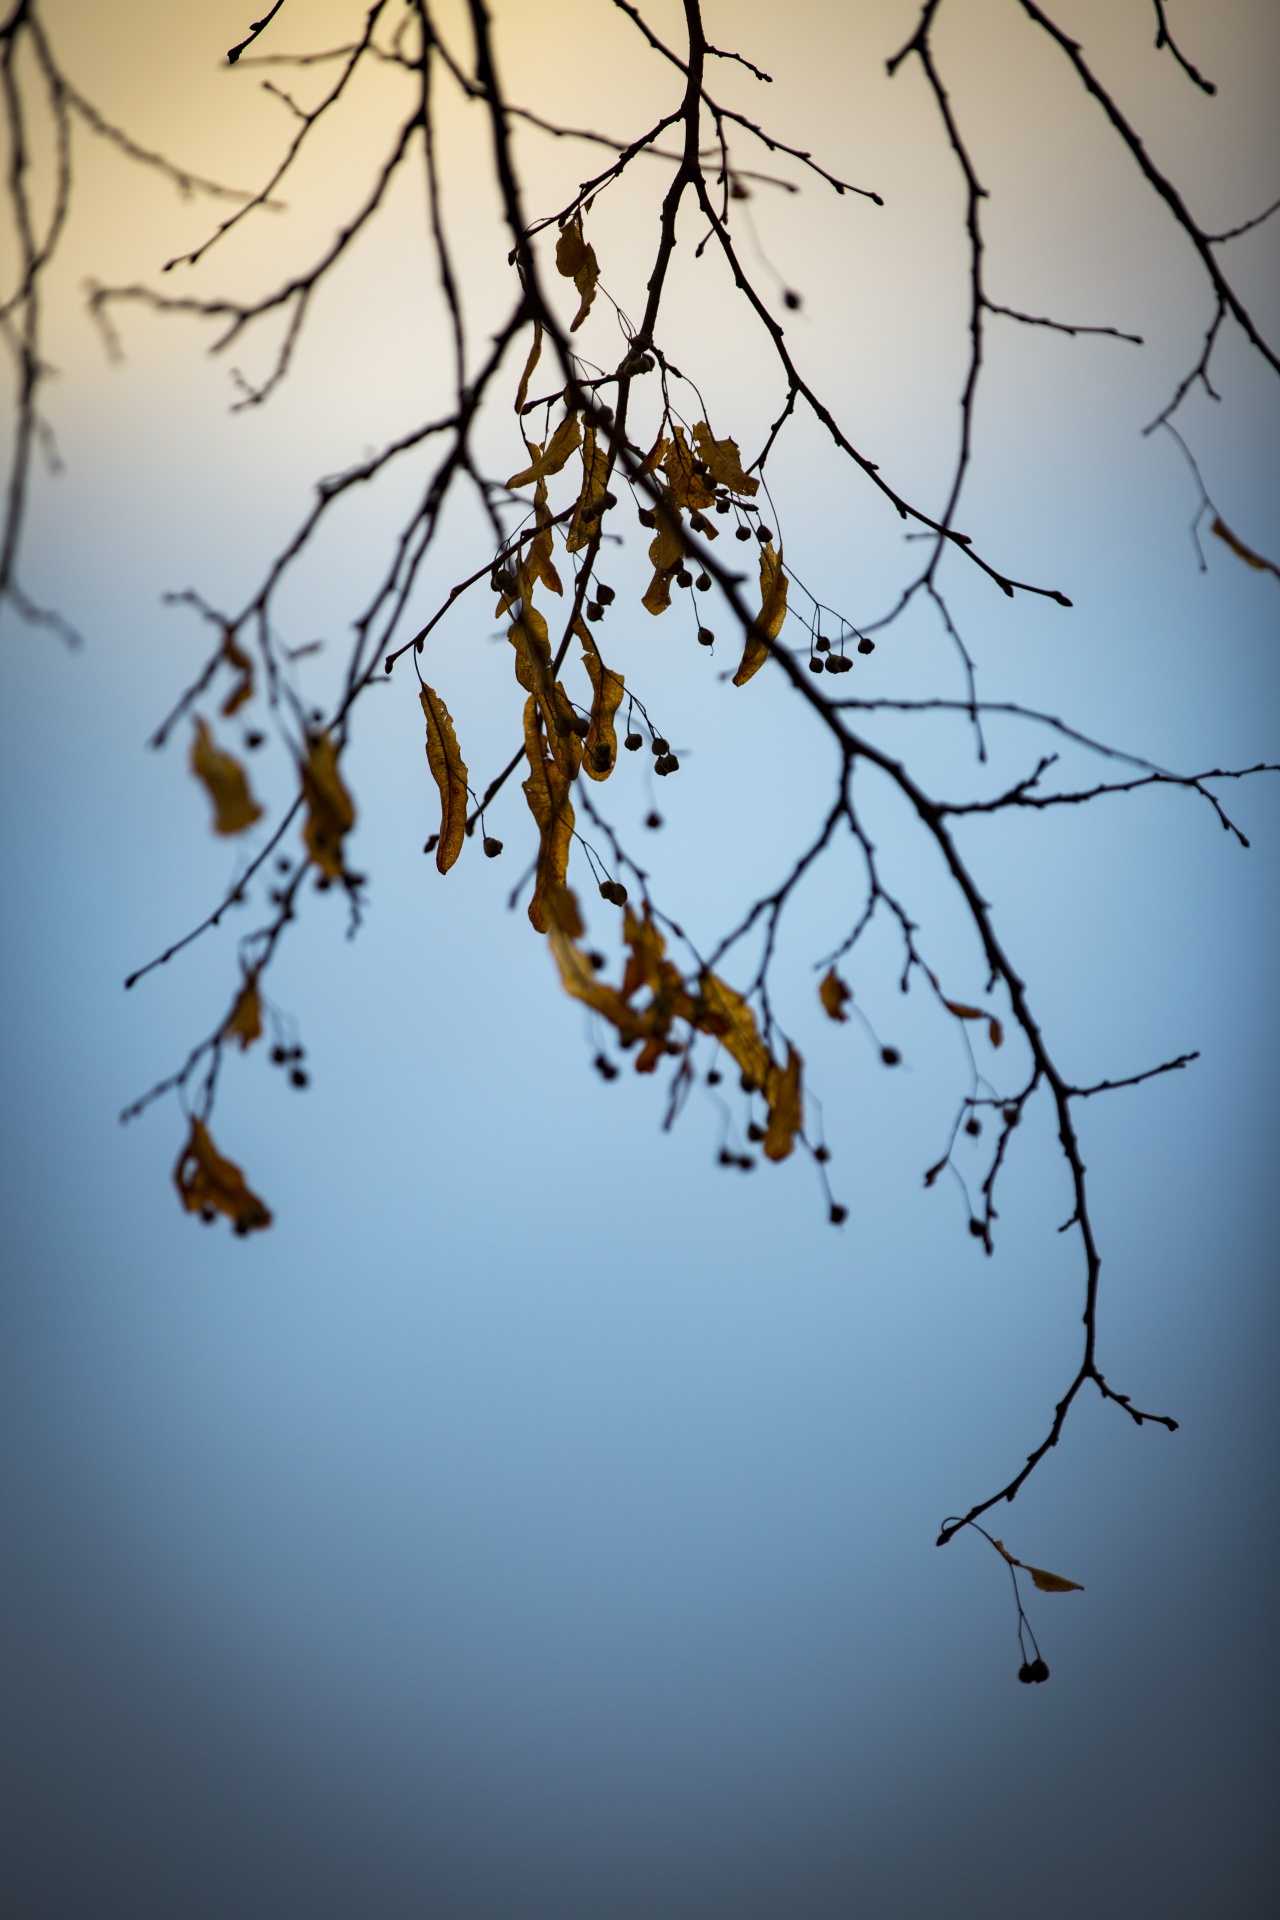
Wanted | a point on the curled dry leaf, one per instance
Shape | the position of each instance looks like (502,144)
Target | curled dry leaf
(225,781)
(207,1182)
(547,792)
(963,1012)
(834,995)
(449,772)
(529,636)
(1238,547)
(768,622)
(600,748)
(723,461)
(241,665)
(595,484)
(688,488)
(544,461)
(576,260)
(245,1023)
(786,1106)
(537,563)
(666,554)
(535,354)
(331,812)
(1047,1582)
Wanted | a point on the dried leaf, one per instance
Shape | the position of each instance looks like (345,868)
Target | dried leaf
(786,1106)
(963,1012)
(834,995)
(576,260)
(666,554)
(724,1013)
(1047,1582)
(331,813)
(208,1183)
(768,622)
(995,1032)
(535,352)
(449,772)
(687,488)
(723,461)
(547,792)
(595,484)
(600,748)
(241,664)
(529,636)
(1053,1582)
(1238,547)
(225,781)
(245,1023)
(578,977)
(547,460)
(537,563)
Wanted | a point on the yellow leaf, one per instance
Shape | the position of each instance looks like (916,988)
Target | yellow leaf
(724,1013)
(545,461)
(786,1106)
(768,622)
(578,977)
(240,662)
(723,461)
(537,563)
(535,351)
(330,811)
(1238,547)
(600,748)
(209,1184)
(529,636)
(595,484)
(245,1023)
(234,807)
(666,554)
(688,489)
(547,792)
(1053,1582)
(833,994)
(576,260)
(449,772)
(962,1012)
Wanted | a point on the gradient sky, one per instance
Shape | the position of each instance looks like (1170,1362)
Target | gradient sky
(539,1521)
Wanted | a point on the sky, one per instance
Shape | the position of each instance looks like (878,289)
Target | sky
(539,1519)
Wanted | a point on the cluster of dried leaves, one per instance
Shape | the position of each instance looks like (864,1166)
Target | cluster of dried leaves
(688,484)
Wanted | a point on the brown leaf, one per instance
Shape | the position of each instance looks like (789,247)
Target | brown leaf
(578,977)
(1238,547)
(600,748)
(1053,1582)
(331,813)
(449,772)
(225,781)
(834,995)
(547,460)
(208,1182)
(995,1032)
(768,622)
(666,554)
(963,1012)
(687,488)
(537,563)
(529,636)
(241,664)
(724,1013)
(722,459)
(786,1106)
(245,1023)
(535,352)
(547,792)
(576,260)
(595,484)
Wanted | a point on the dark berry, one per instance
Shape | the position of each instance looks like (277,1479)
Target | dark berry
(1025,1674)
(747,1084)
(890,1056)
(744,533)
(722,506)
(714,1076)
(492,847)
(838,1214)
(822,1155)
(605,595)
(822,643)
(754,1132)
(648,518)
(253,740)
(764,535)
(653,821)
(973,1126)
(866,646)
(706,637)
(815,663)
(684,578)
(278,1056)
(1039,1671)
(1010,1116)
(832,663)
(660,745)
(977,1229)
(614,892)
(633,742)
(595,611)
(298,1077)
(791,300)
(601,758)
(702,582)
(581,724)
